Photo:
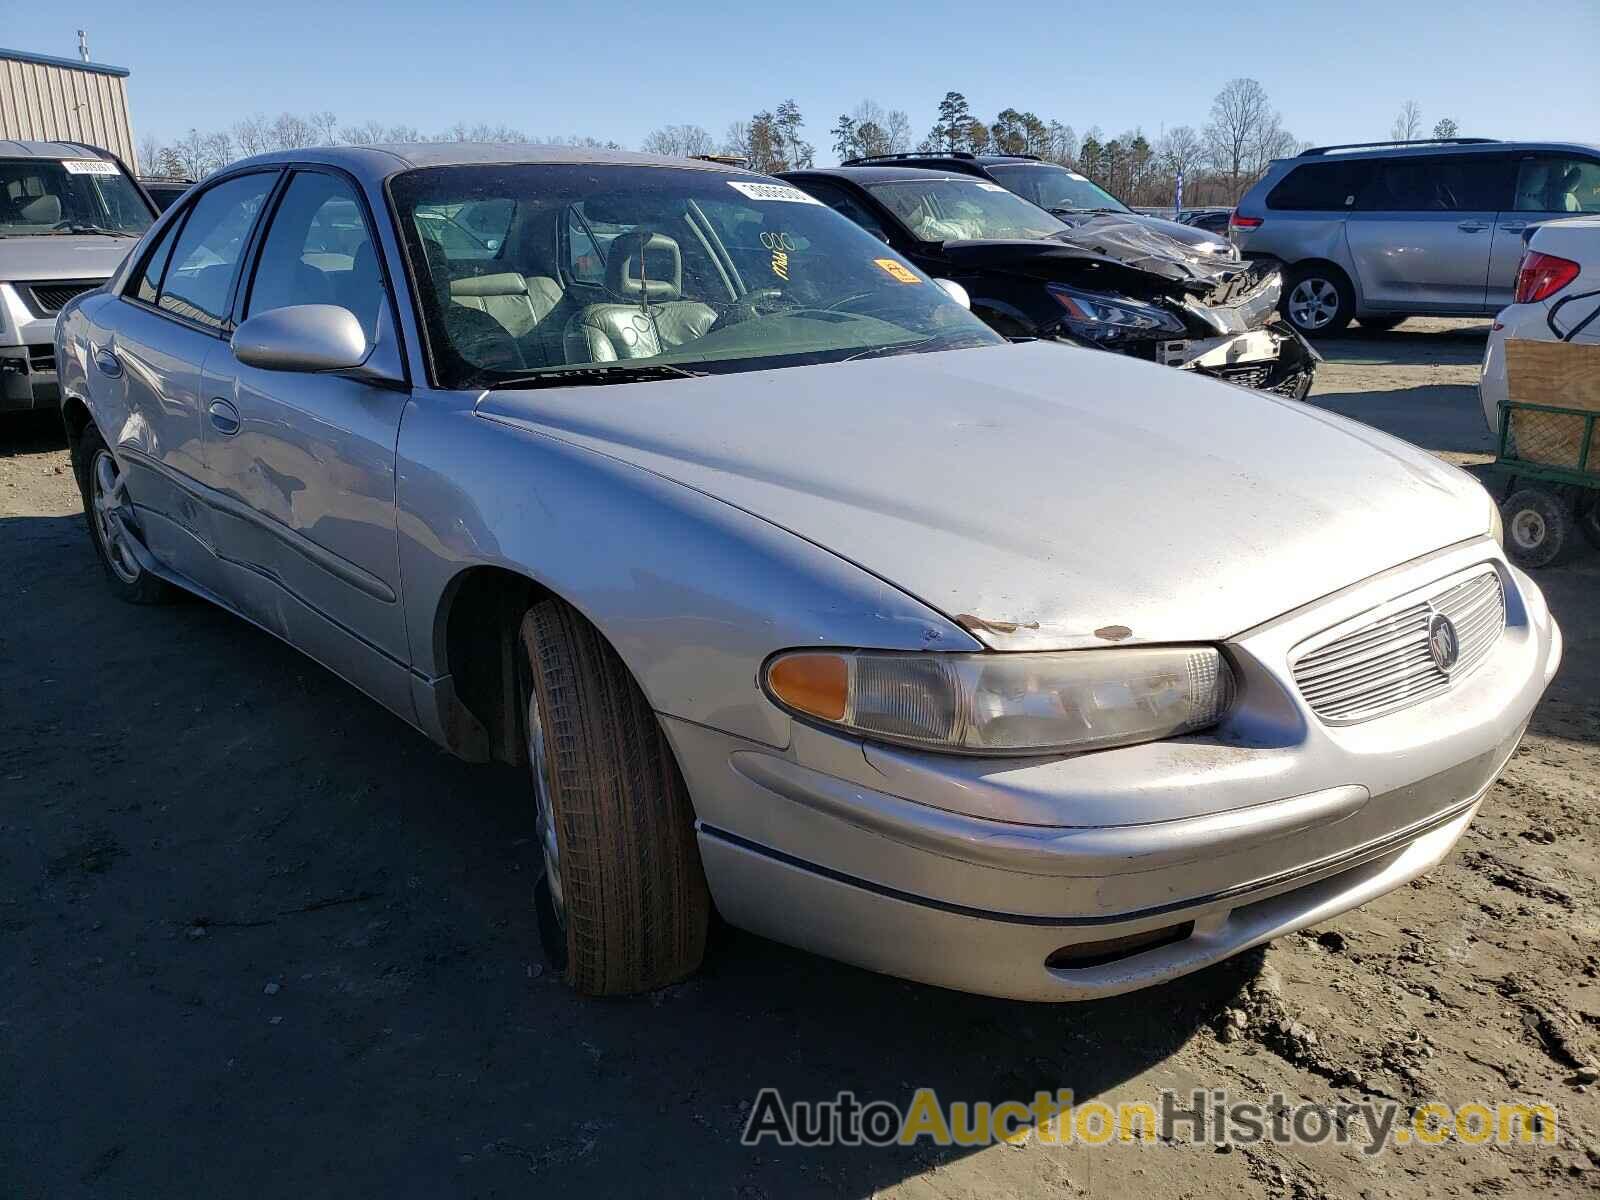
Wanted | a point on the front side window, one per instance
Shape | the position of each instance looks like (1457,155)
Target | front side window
(1556,183)
(41,196)
(1053,187)
(318,251)
(205,260)
(627,272)
(155,264)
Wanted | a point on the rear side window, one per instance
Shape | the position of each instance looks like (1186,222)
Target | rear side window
(1433,183)
(1321,186)
(206,257)
(1557,183)
(155,264)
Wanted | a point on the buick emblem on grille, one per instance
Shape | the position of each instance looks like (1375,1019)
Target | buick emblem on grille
(1443,643)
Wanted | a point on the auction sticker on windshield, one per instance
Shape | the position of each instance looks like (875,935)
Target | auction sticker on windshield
(772,191)
(97,166)
(896,270)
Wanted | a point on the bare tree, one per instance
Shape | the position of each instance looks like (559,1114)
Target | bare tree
(897,132)
(368,133)
(149,154)
(678,141)
(1408,125)
(292,132)
(1063,141)
(253,135)
(1239,115)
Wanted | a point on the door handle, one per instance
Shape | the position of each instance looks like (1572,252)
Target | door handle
(1472,226)
(224,417)
(107,362)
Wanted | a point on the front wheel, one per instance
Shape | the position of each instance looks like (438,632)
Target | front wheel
(1539,528)
(1318,301)
(623,904)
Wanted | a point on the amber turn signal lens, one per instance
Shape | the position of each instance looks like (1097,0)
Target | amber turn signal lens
(818,684)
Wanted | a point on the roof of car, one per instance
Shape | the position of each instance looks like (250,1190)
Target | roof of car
(872,173)
(57,150)
(379,161)
(1429,148)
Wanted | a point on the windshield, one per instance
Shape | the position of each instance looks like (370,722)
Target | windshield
(566,274)
(1053,187)
(948,210)
(45,195)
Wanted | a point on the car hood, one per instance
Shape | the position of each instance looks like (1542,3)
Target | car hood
(1042,496)
(28,257)
(1185,235)
(1163,248)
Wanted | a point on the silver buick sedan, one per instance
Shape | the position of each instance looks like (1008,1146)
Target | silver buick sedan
(1019,669)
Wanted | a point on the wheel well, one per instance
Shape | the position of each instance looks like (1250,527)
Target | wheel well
(75,415)
(478,622)
(1307,265)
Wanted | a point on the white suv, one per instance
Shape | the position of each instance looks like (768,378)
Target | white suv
(68,215)
(1381,233)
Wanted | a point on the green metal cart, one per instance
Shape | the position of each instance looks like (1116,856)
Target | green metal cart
(1551,458)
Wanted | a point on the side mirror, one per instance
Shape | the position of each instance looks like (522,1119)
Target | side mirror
(302,337)
(951,288)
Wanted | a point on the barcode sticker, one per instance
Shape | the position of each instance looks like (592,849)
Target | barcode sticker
(991,187)
(89,166)
(772,191)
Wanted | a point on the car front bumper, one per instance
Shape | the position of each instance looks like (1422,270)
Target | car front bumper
(972,873)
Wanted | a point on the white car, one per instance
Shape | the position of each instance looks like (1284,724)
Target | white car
(1557,299)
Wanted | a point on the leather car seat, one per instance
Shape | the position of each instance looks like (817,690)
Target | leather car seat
(518,302)
(652,315)
(474,336)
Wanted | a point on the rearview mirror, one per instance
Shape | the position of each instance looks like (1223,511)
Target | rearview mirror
(954,290)
(302,337)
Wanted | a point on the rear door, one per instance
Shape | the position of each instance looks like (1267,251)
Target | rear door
(1547,187)
(1423,229)
(171,320)
(304,463)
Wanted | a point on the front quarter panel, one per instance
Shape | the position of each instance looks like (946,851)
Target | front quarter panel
(693,593)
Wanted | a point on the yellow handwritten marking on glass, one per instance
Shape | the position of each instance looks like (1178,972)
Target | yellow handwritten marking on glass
(896,270)
(780,265)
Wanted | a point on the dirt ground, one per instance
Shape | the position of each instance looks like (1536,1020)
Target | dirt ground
(258,938)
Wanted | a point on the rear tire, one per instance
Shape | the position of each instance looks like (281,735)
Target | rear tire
(113,524)
(1317,300)
(624,896)
(1539,528)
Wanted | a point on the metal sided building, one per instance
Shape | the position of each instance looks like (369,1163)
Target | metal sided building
(49,99)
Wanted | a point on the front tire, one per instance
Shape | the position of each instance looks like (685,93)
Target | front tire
(113,524)
(1318,300)
(624,896)
(1539,528)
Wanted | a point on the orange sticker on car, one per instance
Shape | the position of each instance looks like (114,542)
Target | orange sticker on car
(896,270)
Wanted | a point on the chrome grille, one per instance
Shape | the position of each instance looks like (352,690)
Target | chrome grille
(48,298)
(1387,665)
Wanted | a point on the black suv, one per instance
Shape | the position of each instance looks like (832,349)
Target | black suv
(1110,281)
(1056,189)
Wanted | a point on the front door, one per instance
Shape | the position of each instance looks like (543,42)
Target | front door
(304,463)
(1548,187)
(1422,231)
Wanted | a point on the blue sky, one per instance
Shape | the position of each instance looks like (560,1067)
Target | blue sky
(1337,72)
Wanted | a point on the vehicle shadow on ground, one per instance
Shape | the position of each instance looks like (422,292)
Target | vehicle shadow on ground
(31,433)
(1437,417)
(1458,343)
(259,930)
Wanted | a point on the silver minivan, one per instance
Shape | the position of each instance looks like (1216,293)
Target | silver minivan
(1378,233)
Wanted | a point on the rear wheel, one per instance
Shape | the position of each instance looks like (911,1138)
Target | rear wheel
(1539,528)
(113,523)
(623,905)
(1318,300)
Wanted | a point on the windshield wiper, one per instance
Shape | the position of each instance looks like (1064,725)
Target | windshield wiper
(84,227)
(954,337)
(588,376)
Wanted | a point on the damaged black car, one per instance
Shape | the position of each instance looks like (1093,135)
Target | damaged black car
(1106,279)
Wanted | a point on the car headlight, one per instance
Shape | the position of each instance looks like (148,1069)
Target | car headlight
(1104,319)
(1497,525)
(1007,703)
